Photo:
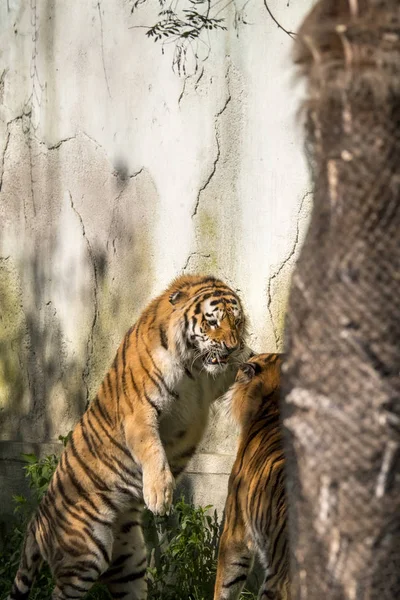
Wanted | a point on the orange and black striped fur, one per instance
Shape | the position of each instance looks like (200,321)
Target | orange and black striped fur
(255,509)
(136,437)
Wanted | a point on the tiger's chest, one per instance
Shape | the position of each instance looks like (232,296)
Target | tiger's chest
(183,425)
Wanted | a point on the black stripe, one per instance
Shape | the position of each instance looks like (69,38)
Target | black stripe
(86,437)
(186,454)
(103,411)
(130,577)
(76,587)
(154,306)
(125,470)
(188,373)
(176,471)
(98,482)
(113,571)
(150,401)
(93,428)
(16,594)
(100,545)
(61,542)
(186,322)
(126,527)
(237,579)
(80,489)
(82,567)
(135,387)
(244,565)
(215,302)
(63,523)
(115,367)
(110,389)
(68,505)
(163,337)
(150,376)
(109,503)
(158,374)
(121,559)
(142,562)
(75,573)
(124,347)
(112,440)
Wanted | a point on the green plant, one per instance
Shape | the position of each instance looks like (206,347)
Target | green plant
(39,473)
(184,23)
(182,548)
(184,564)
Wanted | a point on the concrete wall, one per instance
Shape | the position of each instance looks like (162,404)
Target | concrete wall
(117,174)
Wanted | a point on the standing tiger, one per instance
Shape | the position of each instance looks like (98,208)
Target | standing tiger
(255,509)
(133,441)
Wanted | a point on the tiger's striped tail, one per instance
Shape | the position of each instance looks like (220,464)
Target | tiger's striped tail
(31,560)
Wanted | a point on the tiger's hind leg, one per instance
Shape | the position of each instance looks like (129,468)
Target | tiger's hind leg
(126,577)
(77,566)
(73,581)
(234,559)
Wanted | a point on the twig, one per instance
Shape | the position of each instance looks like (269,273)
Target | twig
(289,33)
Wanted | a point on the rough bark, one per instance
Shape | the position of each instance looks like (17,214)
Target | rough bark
(341,410)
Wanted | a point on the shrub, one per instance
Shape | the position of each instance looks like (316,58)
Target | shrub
(182,547)
(183,561)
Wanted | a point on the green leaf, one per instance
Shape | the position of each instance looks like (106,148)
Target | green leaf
(30,458)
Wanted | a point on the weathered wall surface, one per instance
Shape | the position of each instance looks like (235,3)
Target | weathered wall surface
(116,175)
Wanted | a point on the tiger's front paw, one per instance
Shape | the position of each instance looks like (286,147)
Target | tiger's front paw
(158,489)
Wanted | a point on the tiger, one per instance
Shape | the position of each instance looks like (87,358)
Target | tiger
(134,440)
(255,509)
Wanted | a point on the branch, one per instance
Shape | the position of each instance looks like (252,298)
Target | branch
(289,33)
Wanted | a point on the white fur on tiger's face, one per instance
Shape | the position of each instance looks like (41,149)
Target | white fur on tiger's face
(210,326)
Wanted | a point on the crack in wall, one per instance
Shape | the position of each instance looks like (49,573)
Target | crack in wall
(102,47)
(90,342)
(275,275)
(136,173)
(8,134)
(60,143)
(192,255)
(3,159)
(2,84)
(214,165)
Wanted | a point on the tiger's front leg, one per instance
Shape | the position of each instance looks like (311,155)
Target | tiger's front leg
(143,440)
(234,558)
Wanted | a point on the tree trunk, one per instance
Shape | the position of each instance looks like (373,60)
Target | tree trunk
(341,406)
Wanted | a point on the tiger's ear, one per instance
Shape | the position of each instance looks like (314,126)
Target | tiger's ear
(174,297)
(249,370)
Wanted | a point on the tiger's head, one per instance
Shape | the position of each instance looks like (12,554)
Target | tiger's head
(209,322)
(256,387)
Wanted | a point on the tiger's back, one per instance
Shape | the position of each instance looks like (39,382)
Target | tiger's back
(255,509)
